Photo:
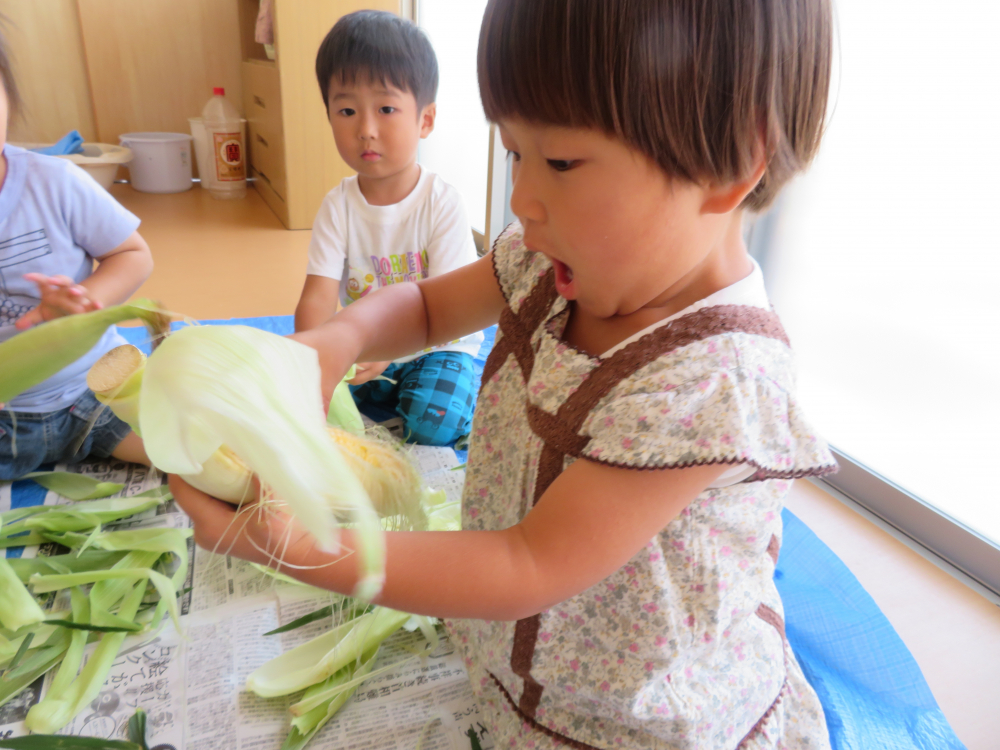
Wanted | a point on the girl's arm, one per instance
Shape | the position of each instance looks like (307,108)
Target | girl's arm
(591,521)
(121,272)
(401,319)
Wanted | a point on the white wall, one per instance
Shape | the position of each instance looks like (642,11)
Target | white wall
(458,149)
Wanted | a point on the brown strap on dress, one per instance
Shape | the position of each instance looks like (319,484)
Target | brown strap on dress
(560,432)
(703,324)
(518,328)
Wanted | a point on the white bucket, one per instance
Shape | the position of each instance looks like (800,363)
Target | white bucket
(99,160)
(161,162)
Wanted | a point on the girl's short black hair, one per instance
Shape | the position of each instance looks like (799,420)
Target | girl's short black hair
(695,85)
(378,46)
(7,73)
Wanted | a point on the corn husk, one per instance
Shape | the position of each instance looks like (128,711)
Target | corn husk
(58,709)
(33,356)
(378,461)
(17,607)
(74,486)
(315,661)
(256,394)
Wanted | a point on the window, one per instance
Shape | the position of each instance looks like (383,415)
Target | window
(883,260)
(458,148)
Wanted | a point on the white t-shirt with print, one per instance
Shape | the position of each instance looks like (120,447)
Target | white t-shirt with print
(366,247)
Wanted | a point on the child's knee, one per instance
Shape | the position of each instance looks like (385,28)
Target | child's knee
(436,399)
(428,424)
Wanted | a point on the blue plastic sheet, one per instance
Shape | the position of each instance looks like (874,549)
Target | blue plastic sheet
(873,693)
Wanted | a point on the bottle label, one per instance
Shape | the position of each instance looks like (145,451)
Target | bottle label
(229,165)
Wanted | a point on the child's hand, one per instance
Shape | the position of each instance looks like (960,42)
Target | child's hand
(61,296)
(368,371)
(248,531)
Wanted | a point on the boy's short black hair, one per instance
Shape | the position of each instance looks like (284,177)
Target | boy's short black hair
(378,46)
(695,85)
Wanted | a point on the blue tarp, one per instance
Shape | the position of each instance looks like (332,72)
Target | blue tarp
(872,690)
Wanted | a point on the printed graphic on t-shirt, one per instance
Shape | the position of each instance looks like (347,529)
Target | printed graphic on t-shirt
(394,268)
(359,284)
(15,252)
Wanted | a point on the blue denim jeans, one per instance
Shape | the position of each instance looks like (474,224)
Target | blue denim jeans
(28,440)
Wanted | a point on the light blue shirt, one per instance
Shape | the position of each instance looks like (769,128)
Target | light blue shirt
(54,219)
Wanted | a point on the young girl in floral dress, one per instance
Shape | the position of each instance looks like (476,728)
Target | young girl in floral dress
(637,427)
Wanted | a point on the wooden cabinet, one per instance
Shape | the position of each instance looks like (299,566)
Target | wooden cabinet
(291,149)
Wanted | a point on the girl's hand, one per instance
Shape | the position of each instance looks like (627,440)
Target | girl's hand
(368,371)
(248,532)
(61,296)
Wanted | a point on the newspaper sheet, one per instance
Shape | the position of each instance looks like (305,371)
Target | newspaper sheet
(192,685)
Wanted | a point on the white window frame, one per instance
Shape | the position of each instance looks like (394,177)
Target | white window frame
(937,532)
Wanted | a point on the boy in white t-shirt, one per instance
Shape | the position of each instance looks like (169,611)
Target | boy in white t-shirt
(392,222)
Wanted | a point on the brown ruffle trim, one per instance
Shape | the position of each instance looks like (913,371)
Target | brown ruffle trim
(773,619)
(568,741)
(759,726)
(555,432)
(493,262)
(761,475)
(774,549)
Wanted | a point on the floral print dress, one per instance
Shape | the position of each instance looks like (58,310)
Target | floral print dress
(683,647)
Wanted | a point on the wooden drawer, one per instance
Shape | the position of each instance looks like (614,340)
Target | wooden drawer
(265,134)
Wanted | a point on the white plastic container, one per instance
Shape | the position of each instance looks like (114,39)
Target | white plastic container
(161,162)
(99,160)
(224,136)
(202,151)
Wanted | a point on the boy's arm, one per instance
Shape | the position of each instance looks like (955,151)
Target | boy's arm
(590,522)
(403,318)
(318,302)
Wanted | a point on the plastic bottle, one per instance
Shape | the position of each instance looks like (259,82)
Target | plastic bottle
(224,136)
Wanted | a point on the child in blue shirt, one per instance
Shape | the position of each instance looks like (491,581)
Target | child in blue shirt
(55,221)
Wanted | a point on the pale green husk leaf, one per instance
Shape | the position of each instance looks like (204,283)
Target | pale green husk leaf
(74,486)
(259,395)
(313,662)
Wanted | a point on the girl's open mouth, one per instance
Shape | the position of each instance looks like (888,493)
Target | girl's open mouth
(564,279)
